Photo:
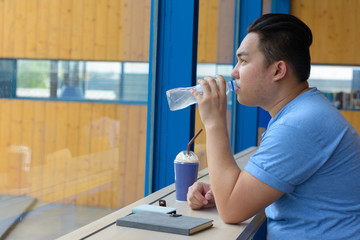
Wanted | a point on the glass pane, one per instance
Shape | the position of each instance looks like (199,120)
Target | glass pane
(215,54)
(73,101)
(33,78)
(102,80)
(340,84)
(80,80)
(7,72)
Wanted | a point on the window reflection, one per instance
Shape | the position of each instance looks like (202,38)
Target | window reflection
(75,80)
(340,84)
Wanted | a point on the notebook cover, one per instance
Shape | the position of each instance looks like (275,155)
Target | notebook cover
(162,222)
(153,208)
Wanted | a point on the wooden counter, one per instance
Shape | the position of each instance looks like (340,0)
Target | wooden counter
(105,227)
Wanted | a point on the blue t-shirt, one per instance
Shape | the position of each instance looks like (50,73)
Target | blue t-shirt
(312,154)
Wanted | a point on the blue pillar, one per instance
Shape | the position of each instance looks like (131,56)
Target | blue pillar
(280,6)
(245,119)
(173,49)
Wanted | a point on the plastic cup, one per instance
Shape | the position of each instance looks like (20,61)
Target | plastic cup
(185,175)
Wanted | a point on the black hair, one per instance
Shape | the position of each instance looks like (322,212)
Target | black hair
(284,37)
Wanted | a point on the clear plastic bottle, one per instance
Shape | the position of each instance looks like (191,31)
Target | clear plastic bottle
(179,98)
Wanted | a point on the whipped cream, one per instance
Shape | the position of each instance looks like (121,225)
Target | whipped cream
(184,157)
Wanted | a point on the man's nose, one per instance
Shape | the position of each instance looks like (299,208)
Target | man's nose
(235,73)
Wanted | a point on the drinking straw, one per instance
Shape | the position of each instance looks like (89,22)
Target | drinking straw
(192,140)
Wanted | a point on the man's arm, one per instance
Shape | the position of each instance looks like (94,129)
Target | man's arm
(238,195)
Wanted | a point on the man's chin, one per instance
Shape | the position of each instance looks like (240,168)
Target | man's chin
(244,102)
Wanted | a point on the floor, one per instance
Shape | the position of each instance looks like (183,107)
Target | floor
(50,221)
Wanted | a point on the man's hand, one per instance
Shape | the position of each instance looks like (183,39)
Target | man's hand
(200,196)
(213,102)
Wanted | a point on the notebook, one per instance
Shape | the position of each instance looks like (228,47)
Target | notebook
(153,208)
(171,223)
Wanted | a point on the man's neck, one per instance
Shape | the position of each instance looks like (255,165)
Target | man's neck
(286,98)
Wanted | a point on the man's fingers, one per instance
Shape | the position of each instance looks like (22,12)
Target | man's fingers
(195,93)
(221,83)
(194,198)
(209,195)
(212,84)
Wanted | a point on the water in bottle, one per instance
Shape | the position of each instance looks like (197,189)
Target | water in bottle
(179,98)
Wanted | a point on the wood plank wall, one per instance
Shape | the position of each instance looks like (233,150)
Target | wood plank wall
(353,117)
(334,24)
(116,30)
(109,30)
(216,31)
(85,153)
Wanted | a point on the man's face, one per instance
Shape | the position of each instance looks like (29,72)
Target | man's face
(250,72)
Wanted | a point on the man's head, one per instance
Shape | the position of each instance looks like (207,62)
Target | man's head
(284,37)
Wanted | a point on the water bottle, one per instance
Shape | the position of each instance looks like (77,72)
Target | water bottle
(179,98)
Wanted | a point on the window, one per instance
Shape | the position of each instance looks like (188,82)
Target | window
(76,80)
(215,55)
(340,84)
(73,93)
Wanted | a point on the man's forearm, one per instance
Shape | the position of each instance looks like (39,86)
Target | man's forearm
(223,169)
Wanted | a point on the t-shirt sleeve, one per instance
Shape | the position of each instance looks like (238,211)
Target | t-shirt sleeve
(286,158)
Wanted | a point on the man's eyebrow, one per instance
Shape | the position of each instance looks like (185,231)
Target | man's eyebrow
(243,53)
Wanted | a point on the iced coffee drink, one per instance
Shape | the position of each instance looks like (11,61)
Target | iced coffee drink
(186,169)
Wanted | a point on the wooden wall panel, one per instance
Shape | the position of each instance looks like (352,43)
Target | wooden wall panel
(84,150)
(109,30)
(353,117)
(208,27)
(75,29)
(135,26)
(4,144)
(88,39)
(113,40)
(19,29)
(61,145)
(66,22)
(120,143)
(15,160)
(37,147)
(100,29)
(48,174)
(53,41)
(9,25)
(133,161)
(96,138)
(334,25)
(225,33)
(85,153)
(2,10)
(29,35)
(42,28)
(216,31)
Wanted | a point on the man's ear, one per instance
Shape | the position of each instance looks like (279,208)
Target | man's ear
(280,70)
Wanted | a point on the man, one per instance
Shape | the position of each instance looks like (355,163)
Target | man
(306,172)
